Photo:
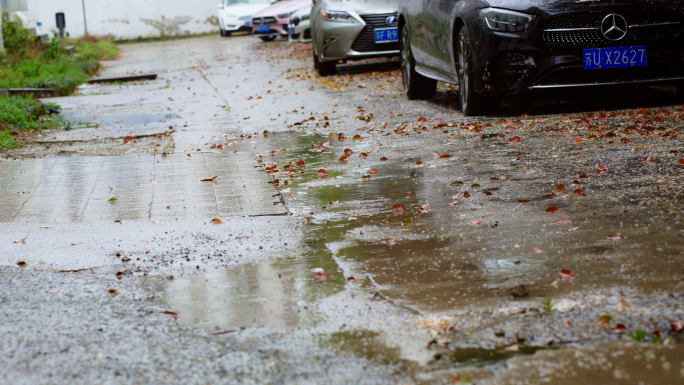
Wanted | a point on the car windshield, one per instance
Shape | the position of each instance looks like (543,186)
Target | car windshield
(236,2)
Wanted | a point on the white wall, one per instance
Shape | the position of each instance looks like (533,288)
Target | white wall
(126,19)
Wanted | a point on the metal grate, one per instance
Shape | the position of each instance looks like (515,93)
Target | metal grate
(646,25)
(366,40)
(263,20)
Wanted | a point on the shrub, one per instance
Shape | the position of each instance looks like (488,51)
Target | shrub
(6,140)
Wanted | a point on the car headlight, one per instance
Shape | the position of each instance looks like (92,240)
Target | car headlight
(285,15)
(336,16)
(504,20)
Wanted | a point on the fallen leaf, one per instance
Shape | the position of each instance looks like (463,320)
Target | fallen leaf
(21,263)
(300,163)
(320,277)
(343,159)
(604,319)
(293,194)
(676,326)
(112,291)
(621,305)
(522,200)
(619,329)
(453,203)
(578,192)
(513,140)
(23,240)
(208,179)
(216,221)
(421,120)
(322,173)
(536,250)
(445,155)
(560,188)
(551,209)
(565,273)
(614,237)
(373,171)
(383,159)
(170,312)
(76,243)
(399,209)
(486,192)
(466,194)
(128,139)
(424,208)
(348,151)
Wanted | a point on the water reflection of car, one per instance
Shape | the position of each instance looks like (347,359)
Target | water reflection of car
(352,29)
(497,48)
(236,15)
(272,22)
(299,28)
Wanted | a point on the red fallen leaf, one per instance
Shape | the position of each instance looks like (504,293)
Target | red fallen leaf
(563,221)
(351,279)
(486,192)
(300,163)
(391,241)
(522,200)
(128,139)
(576,182)
(383,159)
(424,208)
(445,155)
(453,203)
(578,192)
(625,140)
(565,273)
(320,277)
(357,137)
(373,171)
(536,250)
(582,176)
(125,259)
(619,329)
(292,171)
(476,222)
(410,196)
(170,312)
(343,159)
(216,221)
(421,120)
(419,162)
(551,209)
(513,140)
(332,203)
(363,155)
(208,179)
(681,161)
(399,209)
(223,332)
(21,263)
(614,237)
(308,219)
(365,176)
(578,140)
(676,326)
(466,194)
(112,291)
(276,182)
(293,194)
(560,188)
(322,173)
(348,151)
(621,305)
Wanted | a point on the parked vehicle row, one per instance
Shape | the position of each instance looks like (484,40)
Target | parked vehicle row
(490,48)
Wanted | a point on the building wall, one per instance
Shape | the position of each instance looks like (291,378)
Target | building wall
(126,19)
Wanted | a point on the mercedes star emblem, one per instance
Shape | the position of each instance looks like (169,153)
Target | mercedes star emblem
(614,27)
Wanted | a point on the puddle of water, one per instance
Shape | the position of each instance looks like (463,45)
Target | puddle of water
(365,344)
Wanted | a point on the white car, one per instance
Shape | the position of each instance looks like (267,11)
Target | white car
(299,29)
(236,15)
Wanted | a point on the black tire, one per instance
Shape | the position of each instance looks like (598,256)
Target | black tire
(324,68)
(267,38)
(226,33)
(222,32)
(416,86)
(472,103)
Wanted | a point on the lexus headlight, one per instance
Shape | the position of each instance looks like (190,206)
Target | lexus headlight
(504,20)
(285,15)
(335,16)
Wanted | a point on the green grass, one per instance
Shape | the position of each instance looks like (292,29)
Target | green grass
(24,114)
(6,140)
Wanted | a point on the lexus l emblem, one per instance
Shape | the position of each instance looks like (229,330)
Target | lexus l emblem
(614,27)
(392,21)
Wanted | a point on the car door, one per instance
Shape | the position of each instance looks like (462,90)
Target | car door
(441,52)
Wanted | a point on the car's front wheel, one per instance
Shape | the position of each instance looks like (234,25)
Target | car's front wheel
(324,68)
(472,103)
(416,86)
(226,33)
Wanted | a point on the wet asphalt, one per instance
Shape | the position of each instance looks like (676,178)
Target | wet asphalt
(433,248)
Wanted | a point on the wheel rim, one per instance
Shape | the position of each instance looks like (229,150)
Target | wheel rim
(405,59)
(463,69)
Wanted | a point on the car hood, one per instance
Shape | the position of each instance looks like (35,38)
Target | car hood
(243,9)
(553,6)
(285,6)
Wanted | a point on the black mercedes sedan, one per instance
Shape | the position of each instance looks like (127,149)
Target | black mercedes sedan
(497,48)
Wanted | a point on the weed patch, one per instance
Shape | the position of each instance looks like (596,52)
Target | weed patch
(6,140)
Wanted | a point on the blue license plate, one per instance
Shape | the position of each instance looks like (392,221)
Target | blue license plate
(247,24)
(616,57)
(290,30)
(386,35)
(262,29)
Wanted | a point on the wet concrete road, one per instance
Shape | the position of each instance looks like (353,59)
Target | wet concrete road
(445,239)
